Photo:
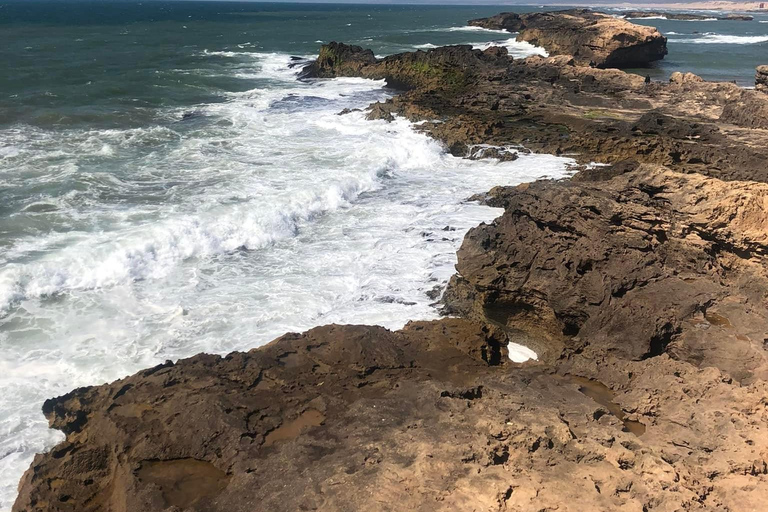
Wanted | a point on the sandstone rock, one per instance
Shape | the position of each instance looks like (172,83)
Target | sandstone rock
(684,78)
(590,37)
(749,109)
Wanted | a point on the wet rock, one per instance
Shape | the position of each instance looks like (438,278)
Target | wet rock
(336,58)
(736,17)
(445,67)
(590,37)
(498,153)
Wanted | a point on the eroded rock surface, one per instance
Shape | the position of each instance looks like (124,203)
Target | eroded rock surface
(647,263)
(590,37)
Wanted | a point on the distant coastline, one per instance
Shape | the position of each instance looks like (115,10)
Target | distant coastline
(692,6)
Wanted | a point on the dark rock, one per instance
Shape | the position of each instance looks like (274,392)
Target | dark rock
(498,153)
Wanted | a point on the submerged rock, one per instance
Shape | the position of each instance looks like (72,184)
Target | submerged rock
(590,37)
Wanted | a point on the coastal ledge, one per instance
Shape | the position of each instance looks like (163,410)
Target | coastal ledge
(641,284)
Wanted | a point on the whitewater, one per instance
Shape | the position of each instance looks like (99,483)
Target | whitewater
(219,229)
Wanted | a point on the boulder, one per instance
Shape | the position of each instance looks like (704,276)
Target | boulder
(684,78)
(761,79)
(590,37)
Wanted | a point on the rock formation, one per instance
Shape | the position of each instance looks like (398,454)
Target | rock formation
(590,37)
(641,284)
(445,67)
(761,78)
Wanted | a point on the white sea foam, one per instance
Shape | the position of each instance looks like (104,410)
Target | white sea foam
(264,213)
(425,46)
(520,353)
(517,49)
(469,28)
(723,39)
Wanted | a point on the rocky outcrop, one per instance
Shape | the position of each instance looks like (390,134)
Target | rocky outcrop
(447,67)
(736,17)
(761,79)
(684,78)
(590,37)
(337,59)
(656,259)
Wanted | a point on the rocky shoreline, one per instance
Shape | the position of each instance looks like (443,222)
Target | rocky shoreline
(641,284)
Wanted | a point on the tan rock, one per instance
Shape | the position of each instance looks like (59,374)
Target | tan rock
(761,78)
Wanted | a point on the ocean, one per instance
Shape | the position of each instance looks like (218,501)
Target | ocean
(168,186)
